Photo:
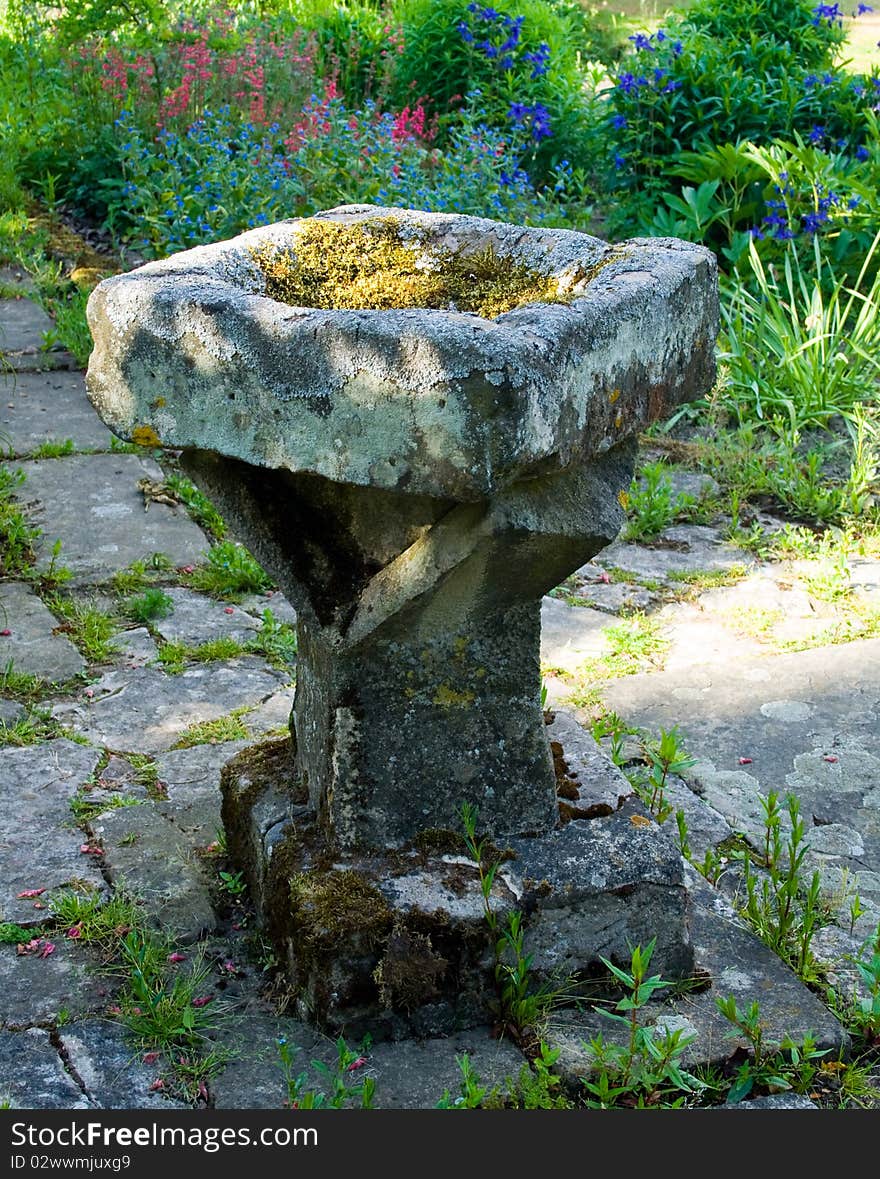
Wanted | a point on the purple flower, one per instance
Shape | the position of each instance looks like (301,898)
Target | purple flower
(812,221)
(627,83)
(863,8)
(677,48)
(756,233)
(854,201)
(828,12)
(619,161)
(862,152)
(619,122)
(464,31)
(817,134)
(810,80)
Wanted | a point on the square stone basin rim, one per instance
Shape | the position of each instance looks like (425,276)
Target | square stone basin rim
(191,354)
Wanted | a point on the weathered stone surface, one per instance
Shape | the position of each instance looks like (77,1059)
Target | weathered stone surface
(10,711)
(597,887)
(191,783)
(196,619)
(492,398)
(775,1101)
(32,1075)
(39,844)
(273,600)
(23,327)
(66,984)
(254,1076)
(685,548)
(110,1067)
(32,646)
(105,528)
(19,280)
(143,710)
(40,407)
(136,645)
(593,785)
(415,1074)
(153,859)
(570,634)
(738,965)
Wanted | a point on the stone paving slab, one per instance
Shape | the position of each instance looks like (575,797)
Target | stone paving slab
(144,710)
(737,964)
(39,844)
(410,1074)
(137,646)
(10,711)
(104,526)
(64,985)
(685,548)
(191,780)
(111,1069)
(31,645)
(23,326)
(32,1075)
(38,407)
(14,276)
(154,860)
(196,618)
(570,634)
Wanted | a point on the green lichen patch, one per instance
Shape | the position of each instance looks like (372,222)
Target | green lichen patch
(372,267)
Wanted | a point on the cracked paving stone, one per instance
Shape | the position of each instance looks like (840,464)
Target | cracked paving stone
(686,548)
(23,326)
(111,1067)
(39,843)
(144,710)
(153,859)
(68,984)
(104,527)
(32,646)
(32,1074)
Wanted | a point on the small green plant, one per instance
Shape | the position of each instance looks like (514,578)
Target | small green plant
(161,1008)
(651,503)
(89,627)
(472,1092)
(225,728)
(152,604)
(341,1089)
(35,726)
(537,1086)
(276,640)
(95,918)
(860,1011)
(784,910)
(665,756)
(51,449)
(233,883)
(230,572)
(12,934)
(773,1068)
(140,574)
(646,1069)
(20,685)
(198,505)
(174,656)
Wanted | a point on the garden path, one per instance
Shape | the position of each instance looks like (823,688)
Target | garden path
(112,778)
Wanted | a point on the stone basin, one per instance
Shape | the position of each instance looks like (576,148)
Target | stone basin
(415,479)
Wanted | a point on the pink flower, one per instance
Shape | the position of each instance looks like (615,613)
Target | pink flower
(114,1010)
(203,1091)
(157,1085)
(75,931)
(89,693)
(604,578)
(187,568)
(6,632)
(203,1001)
(31,892)
(356,1064)
(150,1057)
(230,967)
(90,849)
(228,609)
(175,957)
(48,948)
(829,757)
(745,761)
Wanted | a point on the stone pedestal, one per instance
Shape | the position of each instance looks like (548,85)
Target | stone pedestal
(416,478)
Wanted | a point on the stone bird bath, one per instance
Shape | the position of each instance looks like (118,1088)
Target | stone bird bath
(415,477)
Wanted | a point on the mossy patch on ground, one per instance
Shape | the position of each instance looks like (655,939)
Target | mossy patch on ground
(371,266)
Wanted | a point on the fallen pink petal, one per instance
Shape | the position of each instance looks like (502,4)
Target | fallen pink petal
(745,761)
(6,632)
(157,1085)
(150,1057)
(175,957)
(31,892)
(356,1064)
(75,931)
(228,610)
(830,758)
(203,1091)
(48,948)
(203,1001)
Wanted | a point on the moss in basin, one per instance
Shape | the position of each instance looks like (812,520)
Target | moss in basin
(372,266)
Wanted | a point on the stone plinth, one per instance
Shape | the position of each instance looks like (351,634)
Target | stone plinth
(415,478)
(416,475)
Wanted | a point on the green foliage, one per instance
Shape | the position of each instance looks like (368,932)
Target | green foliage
(773,1068)
(342,1087)
(198,505)
(230,572)
(233,883)
(225,728)
(665,756)
(646,1069)
(471,1091)
(784,909)
(162,1007)
(276,640)
(17,536)
(152,604)
(12,934)
(794,351)
(94,917)
(36,726)
(88,626)
(651,503)
(860,1011)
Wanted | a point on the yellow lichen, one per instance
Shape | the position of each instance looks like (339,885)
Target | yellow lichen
(145,436)
(371,267)
(447,697)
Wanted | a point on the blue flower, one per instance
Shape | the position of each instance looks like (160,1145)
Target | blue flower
(817,134)
(827,12)
(641,42)
(862,152)
(619,122)
(627,83)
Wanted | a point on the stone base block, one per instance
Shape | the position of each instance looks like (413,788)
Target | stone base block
(397,943)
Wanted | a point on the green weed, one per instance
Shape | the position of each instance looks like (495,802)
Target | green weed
(225,728)
(230,572)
